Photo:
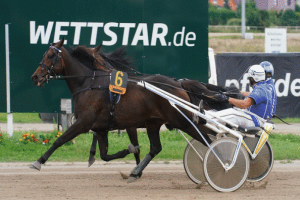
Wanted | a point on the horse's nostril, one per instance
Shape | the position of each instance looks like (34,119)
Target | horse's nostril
(34,76)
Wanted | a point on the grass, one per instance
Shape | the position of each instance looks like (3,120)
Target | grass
(238,30)
(232,37)
(12,150)
(235,43)
(34,118)
(285,147)
(21,118)
(288,120)
(227,29)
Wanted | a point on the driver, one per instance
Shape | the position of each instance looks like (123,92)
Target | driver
(259,101)
(269,70)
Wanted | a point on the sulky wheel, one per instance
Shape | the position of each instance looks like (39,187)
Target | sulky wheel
(193,165)
(215,174)
(261,166)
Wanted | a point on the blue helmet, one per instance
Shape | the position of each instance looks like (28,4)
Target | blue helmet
(268,67)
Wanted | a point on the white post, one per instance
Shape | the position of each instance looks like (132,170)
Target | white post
(243,19)
(10,128)
(212,67)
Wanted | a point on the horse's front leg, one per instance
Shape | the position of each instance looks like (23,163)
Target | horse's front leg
(93,150)
(70,134)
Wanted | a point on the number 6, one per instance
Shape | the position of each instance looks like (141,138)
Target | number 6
(119,80)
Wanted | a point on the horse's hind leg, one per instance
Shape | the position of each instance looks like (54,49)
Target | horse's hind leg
(133,148)
(93,150)
(132,134)
(103,146)
(155,147)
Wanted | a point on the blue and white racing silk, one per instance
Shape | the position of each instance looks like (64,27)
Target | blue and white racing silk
(271,86)
(263,101)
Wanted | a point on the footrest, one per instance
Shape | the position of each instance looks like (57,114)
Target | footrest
(249,130)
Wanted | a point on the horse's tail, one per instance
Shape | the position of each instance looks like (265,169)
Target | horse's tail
(231,91)
(214,87)
(197,91)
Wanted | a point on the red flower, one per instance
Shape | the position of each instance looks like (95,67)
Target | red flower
(46,141)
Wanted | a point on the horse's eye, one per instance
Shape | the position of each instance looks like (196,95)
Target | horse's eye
(50,56)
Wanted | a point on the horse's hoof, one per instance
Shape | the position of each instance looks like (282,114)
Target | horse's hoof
(36,165)
(91,161)
(124,176)
(132,178)
(132,149)
(140,174)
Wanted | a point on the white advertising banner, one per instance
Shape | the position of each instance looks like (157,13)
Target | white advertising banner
(275,40)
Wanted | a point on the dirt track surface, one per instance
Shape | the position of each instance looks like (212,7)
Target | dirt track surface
(159,181)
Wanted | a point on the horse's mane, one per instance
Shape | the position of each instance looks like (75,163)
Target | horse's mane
(118,59)
(81,54)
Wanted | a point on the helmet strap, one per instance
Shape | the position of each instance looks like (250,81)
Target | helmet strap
(252,82)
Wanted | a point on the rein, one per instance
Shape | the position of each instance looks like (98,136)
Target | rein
(129,80)
(171,86)
(49,69)
(62,78)
(275,116)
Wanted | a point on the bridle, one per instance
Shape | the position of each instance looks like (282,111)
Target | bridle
(47,68)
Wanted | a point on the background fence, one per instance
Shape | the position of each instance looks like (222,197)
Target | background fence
(231,68)
(251,29)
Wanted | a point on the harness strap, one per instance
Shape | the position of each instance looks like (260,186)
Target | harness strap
(111,118)
(93,79)
(89,88)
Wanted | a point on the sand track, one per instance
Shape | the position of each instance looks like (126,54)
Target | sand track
(159,181)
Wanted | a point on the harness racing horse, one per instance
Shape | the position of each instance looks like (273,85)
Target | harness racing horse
(117,60)
(138,106)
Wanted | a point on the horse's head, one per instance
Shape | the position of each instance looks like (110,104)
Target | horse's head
(51,65)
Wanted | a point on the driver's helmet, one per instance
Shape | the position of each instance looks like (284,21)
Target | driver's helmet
(256,72)
(268,67)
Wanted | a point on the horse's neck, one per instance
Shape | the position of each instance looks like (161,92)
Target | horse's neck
(101,63)
(76,70)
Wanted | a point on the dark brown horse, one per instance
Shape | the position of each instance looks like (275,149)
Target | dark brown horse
(117,60)
(137,107)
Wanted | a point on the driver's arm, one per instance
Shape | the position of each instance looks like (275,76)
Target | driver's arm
(243,104)
(245,93)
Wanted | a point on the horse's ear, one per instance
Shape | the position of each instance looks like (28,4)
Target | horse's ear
(60,43)
(97,48)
